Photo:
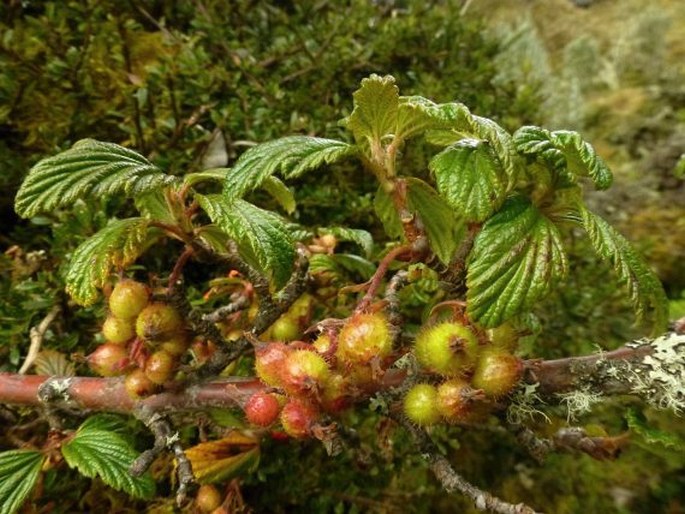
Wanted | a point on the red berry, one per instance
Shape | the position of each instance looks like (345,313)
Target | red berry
(109,360)
(420,404)
(262,409)
(118,330)
(448,348)
(128,298)
(158,322)
(497,372)
(364,337)
(298,418)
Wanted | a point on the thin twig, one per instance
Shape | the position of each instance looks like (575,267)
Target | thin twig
(37,334)
(242,302)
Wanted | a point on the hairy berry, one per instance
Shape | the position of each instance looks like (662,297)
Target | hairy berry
(138,385)
(128,298)
(159,367)
(448,348)
(269,361)
(285,328)
(118,330)
(455,400)
(262,409)
(497,372)
(420,404)
(364,337)
(109,360)
(158,322)
(302,371)
(298,418)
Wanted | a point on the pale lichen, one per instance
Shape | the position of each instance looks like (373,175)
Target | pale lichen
(579,402)
(522,406)
(660,376)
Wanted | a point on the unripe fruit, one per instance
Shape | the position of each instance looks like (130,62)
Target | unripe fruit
(159,367)
(117,330)
(497,372)
(364,337)
(455,399)
(158,322)
(302,371)
(448,348)
(269,361)
(285,329)
(138,385)
(505,336)
(208,498)
(262,409)
(335,395)
(323,344)
(128,298)
(177,345)
(298,418)
(420,404)
(301,308)
(109,360)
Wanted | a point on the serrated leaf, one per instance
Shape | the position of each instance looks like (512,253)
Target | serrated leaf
(19,471)
(639,425)
(220,460)
(516,260)
(358,236)
(89,168)
(118,244)
(209,175)
(262,237)
(385,210)
(109,423)
(644,288)
(108,455)
(375,109)
(53,363)
(417,115)
(291,156)
(354,264)
(471,178)
(565,151)
(443,228)
(153,205)
(281,193)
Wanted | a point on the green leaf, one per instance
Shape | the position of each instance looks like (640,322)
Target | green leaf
(358,236)
(354,264)
(109,423)
(444,230)
(516,260)
(262,237)
(19,471)
(88,169)
(565,151)
(471,178)
(153,205)
(385,210)
(375,109)
(108,455)
(281,193)
(118,244)
(644,288)
(209,175)
(292,156)
(222,459)
(651,435)
(417,115)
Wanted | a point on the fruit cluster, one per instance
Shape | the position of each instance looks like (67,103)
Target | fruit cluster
(144,339)
(339,367)
(473,373)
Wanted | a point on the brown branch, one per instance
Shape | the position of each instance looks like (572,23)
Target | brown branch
(36,335)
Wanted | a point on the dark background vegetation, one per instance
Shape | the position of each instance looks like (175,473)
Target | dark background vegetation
(191,84)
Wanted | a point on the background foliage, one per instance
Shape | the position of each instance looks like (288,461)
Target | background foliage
(191,84)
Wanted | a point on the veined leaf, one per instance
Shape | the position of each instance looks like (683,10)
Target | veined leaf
(118,244)
(471,178)
(385,210)
(375,109)
(416,115)
(292,156)
(516,260)
(565,151)
(444,230)
(208,175)
(89,168)
(262,237)
(153,205)
(644,288)
(219,460)
(108,455)
(19,471)
(281,193)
